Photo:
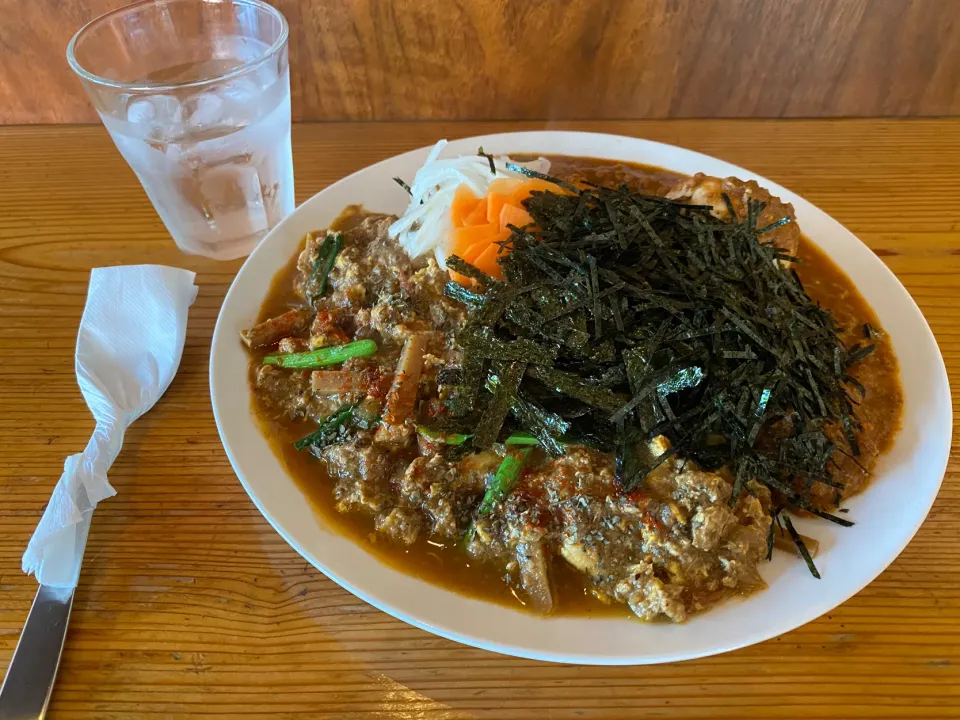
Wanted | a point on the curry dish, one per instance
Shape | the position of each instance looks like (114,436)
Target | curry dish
(524,487)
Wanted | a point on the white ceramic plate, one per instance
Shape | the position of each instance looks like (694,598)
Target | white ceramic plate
(887,515)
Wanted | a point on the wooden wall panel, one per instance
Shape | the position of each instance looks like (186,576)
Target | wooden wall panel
(557,59)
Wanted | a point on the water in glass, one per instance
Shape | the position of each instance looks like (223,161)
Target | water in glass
(217,165)
(196,96)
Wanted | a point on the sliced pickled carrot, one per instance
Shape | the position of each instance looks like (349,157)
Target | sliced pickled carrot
(525,189)
(465,237)
(462,279)
(513,215)
(487,262)
(477,217)
(480,223)
(474,251)
(464,203)
(495,204)
(504,186)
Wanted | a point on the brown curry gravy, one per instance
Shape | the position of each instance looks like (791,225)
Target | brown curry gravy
(449,566)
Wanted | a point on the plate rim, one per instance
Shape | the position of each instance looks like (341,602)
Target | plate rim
(519,650)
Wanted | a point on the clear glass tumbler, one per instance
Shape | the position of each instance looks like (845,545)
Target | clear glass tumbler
(196,96)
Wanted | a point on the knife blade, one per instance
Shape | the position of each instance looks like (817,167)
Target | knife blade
(28,685)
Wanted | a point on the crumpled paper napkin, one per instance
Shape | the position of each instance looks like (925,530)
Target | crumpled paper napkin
(128,349)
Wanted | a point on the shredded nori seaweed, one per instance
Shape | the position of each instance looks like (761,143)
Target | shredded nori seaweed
(801,546)
(635,316)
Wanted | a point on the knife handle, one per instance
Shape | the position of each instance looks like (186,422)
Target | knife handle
(29,682)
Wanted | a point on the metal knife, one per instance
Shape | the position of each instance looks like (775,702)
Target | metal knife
(28,684)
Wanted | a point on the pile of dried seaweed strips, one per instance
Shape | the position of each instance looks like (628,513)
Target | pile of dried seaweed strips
(624,316)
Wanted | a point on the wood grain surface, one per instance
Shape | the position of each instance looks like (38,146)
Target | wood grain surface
(190,605)
(556,59)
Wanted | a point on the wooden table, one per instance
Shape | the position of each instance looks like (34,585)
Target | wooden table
(190,605)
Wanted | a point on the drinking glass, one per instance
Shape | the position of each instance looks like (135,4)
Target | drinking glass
(196,96)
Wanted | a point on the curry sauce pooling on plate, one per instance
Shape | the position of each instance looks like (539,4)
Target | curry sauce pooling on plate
(615,415)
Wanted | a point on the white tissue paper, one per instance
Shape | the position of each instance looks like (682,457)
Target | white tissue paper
(128,350)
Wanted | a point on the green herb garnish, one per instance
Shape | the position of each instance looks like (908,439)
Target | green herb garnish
(316,284)
(504,479)
(322,357)
(521,439)
(330,430)
(441,437)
